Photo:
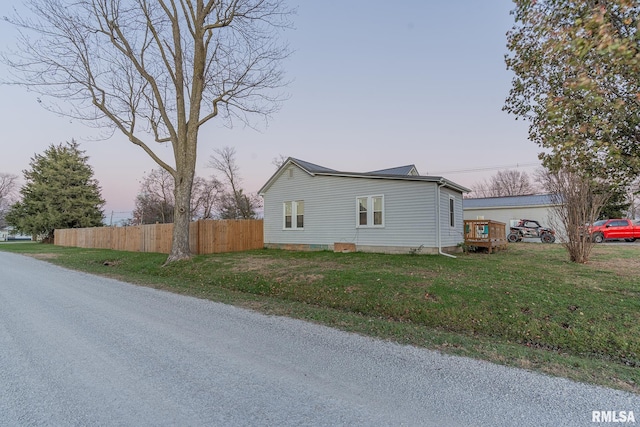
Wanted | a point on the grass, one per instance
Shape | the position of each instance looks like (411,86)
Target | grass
(527,307)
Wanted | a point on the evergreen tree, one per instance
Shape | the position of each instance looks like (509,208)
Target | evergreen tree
(60,192)
(617,205)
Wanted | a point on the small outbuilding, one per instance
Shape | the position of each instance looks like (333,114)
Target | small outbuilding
(508,209)
(396,210)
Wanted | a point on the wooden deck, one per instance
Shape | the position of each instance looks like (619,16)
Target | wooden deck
(485,233)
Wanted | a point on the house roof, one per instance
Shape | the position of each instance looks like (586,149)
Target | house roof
(309,167)
(509,201)
(400,170)
(405,173)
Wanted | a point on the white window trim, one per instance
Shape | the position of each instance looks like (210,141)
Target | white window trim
(294,215)
(369,211)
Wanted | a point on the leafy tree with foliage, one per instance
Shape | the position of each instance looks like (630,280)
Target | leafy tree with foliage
(577,82)
(60,192)
(156,71)
(577,69)
(633,197)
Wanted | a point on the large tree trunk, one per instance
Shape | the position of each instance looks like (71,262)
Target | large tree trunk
(185,172)
(180,247)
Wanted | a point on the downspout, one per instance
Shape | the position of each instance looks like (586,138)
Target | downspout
(440,185)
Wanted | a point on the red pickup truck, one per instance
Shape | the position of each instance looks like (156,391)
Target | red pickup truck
(614,229)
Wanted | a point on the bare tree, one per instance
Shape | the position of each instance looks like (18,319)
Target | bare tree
(279,161)
(578,201)
(205,197)
(8,188)
(155,202)
(156,71)
(505,183)
(234,203)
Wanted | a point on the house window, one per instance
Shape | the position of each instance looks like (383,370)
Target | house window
(294,215)
(362,211)
(370,211)
(377,210)
(452,211)
(299,214)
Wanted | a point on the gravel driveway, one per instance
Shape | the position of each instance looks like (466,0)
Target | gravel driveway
(77,349)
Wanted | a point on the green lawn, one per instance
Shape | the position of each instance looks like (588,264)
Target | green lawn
(527,306)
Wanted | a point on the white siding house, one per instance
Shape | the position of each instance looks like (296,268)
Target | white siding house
(396,210)
(8,233)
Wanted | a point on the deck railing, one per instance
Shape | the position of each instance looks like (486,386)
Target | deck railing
(485,233)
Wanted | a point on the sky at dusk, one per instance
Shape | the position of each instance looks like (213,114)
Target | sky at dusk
(374,84)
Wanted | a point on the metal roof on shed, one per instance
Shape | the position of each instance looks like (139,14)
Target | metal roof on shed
(509,201)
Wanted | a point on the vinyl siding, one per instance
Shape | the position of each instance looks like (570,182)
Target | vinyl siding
(451,236)
(330,211)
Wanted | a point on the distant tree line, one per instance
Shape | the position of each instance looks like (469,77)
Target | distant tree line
(219,197)
(505,183)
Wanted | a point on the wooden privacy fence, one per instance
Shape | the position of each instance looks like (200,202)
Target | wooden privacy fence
(205,237)
(485,234)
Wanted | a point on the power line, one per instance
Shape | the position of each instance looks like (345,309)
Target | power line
(486,168)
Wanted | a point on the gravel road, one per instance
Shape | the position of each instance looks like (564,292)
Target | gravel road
(80,350)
